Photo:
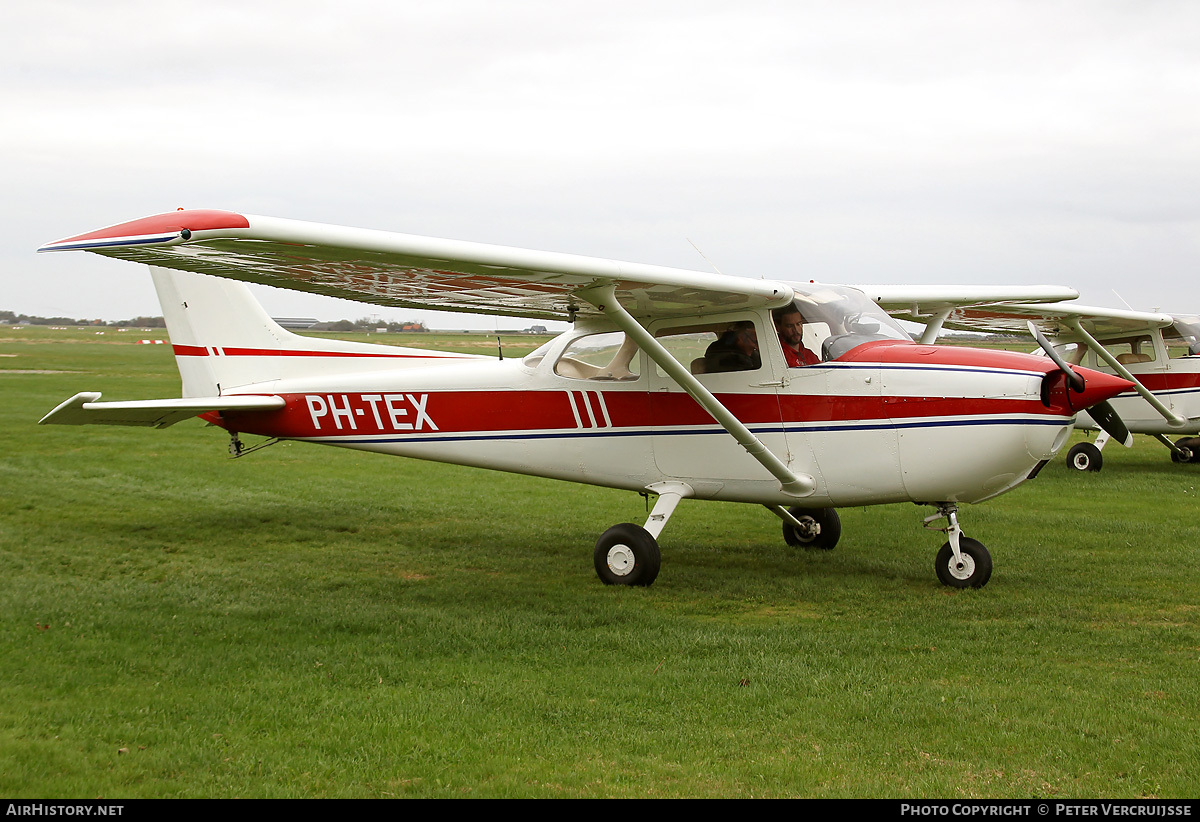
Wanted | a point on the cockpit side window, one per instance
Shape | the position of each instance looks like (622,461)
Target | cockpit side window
(1186,330)
(799,339)
(842,319)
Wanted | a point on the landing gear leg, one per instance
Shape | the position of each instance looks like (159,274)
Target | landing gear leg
(962,562)
(628,554)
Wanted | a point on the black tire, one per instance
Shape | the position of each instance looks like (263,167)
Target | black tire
(1085,457)
(1190,446)
(976,567)
(626,554)
(825,521)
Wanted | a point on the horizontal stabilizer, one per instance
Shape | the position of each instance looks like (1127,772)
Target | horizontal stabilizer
(82,409)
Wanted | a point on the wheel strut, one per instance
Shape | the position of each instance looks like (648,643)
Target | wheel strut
(628,554)
(949,512)
(962,562)
(669,495)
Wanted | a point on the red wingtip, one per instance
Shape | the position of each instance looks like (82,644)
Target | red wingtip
(151,228)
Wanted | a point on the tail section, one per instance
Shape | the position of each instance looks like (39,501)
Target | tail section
(205,315)
(224,340)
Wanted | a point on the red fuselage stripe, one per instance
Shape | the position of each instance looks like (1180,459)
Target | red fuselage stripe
(359,414)
(218,351)
(1169,382)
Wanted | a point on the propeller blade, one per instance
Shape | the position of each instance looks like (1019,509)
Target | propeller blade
(1107,418)
(1074,377)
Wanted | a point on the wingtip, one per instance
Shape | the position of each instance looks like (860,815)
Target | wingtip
(67,411)
(160,229)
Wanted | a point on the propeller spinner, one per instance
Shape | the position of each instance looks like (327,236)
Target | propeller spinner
(1103,413)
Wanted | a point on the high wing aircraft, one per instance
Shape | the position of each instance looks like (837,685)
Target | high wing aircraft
(670,383)
(1159,353)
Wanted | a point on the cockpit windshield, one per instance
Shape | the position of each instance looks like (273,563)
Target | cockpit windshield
(1188,328)
(837,319)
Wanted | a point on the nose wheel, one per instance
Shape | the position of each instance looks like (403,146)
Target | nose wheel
(962,562)
(1085,457)
(971,569)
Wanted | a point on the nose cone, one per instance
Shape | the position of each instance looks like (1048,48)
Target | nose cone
(1097,387)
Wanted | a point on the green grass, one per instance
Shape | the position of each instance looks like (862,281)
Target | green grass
(314,622)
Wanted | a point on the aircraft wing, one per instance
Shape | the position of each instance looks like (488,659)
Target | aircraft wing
(940,306)
(390,269)
(82,409)
(1056,320)
(919,303)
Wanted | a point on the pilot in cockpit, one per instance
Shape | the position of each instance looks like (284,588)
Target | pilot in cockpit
(789,324)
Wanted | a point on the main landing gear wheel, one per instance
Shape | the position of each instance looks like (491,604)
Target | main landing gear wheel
(822,528)
(1085,457)
(626,554)
(973,571)
(1189,450)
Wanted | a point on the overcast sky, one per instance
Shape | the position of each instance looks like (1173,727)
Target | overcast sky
(991,141)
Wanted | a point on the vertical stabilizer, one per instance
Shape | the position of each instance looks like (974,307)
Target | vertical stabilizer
(205,315)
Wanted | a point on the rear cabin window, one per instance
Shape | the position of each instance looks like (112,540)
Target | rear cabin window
(1132,351)
(714,348)
(602,357)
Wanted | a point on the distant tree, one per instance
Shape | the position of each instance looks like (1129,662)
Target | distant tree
(140,322)
(50,320)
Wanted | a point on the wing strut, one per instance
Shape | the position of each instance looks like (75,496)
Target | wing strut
(604,298)
(1173,419)
(934,326)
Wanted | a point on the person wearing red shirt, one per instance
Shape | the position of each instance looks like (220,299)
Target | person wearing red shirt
(789,324)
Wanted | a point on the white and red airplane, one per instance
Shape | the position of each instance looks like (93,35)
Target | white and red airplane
(672,383)
(1158,353)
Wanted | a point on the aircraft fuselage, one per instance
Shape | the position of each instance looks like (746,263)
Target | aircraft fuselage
(888,421)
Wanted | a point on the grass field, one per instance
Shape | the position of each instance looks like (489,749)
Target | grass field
(314,622)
